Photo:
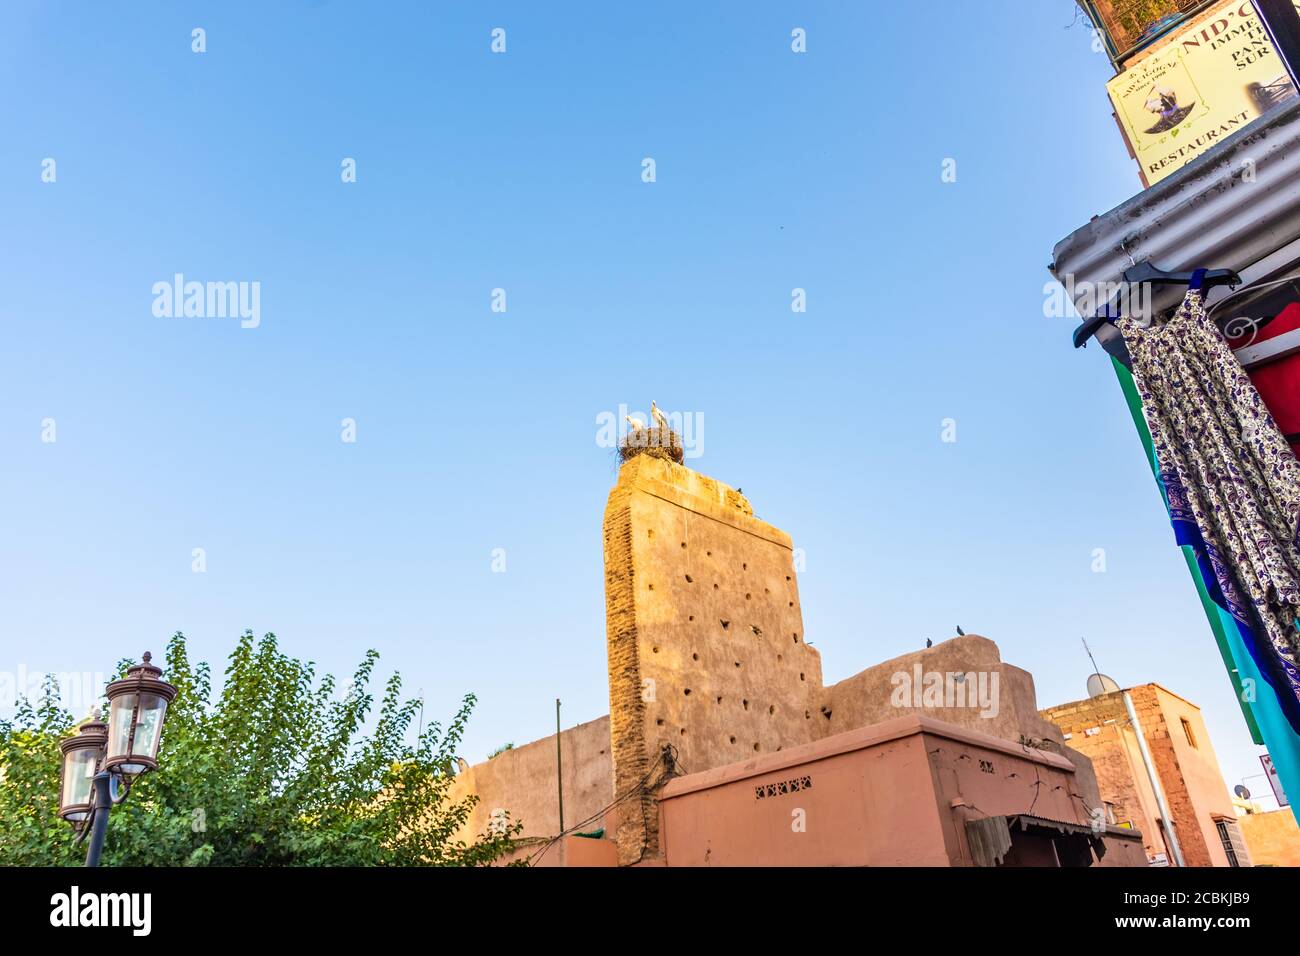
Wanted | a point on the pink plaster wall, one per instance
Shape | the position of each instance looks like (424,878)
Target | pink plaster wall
(893,794)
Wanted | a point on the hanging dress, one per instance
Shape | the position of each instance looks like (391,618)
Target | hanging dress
(1232,482)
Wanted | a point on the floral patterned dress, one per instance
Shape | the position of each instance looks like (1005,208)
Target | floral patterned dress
(1232,480)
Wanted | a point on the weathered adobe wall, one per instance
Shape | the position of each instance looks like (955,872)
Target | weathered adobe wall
(897,793)
(522,782)
(1273,838)
(705,634)
(869,805)
(870,696)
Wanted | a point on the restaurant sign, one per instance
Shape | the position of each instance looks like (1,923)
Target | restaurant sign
(1210,78)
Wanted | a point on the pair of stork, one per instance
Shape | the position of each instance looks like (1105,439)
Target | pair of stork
(660,421)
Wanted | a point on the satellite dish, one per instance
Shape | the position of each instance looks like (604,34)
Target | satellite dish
(1099,684)
(1241,791)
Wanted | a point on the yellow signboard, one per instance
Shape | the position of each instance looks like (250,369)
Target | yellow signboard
(1206,81)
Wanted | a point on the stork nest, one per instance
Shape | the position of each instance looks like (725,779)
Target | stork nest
(655,442)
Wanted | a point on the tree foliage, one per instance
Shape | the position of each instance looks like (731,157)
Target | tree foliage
(277,771)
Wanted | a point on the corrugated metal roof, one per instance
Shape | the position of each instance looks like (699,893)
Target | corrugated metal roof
(1236,207)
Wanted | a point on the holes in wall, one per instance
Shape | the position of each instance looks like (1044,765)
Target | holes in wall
(771,711)
(748,596)
(695,657)
(807,715)
(725,623)
(659,721)
(758,631)
(683,544)
(719,700)
(756,745)
(691,618)
(687,692)
(689,579)
(746,703)
(732,739)
(683,731)
(826,712)
(655,649)
(652,587)
(709,554)
(801,677)
(744,567)
(715,587)
(779,658)
(787,577)
(796,638)
(737,663)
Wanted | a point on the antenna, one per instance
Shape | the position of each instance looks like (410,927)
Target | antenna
(1088,651)
(1098,683)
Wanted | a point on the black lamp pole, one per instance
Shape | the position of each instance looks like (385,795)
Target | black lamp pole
(102,804)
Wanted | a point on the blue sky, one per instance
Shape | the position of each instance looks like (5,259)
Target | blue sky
(475,429)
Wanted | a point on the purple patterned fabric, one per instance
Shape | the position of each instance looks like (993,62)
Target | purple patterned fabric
(1232,481)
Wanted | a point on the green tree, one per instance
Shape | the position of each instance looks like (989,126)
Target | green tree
(276,772)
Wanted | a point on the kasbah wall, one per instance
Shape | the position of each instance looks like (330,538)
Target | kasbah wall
(707,656)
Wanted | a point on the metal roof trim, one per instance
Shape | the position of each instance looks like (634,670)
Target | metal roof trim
(1206,214)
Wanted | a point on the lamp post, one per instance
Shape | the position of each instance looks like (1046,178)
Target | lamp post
(102,760)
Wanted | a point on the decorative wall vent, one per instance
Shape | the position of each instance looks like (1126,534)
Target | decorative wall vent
(784,787)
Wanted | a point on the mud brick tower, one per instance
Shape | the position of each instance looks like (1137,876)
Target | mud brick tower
(705,636)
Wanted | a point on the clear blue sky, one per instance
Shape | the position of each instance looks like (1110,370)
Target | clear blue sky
(476,430)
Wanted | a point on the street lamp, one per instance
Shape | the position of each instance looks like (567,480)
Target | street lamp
(100,762)
(137,704)
(81,757)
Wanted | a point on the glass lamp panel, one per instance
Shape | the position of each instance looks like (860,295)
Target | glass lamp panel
(149,725)
(119,725)
(78,776)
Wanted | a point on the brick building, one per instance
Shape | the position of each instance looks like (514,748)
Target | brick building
(1204,817)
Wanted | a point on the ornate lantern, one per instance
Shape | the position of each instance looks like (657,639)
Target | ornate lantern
(137,707)
(81,758)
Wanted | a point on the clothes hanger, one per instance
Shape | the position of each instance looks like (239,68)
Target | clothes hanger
(1145,272)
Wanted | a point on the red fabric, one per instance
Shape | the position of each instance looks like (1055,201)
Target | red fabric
(1278,383)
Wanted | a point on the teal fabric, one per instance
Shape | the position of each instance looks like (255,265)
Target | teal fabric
(1282,743)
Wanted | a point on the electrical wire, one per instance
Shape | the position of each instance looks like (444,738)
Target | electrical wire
(639,788)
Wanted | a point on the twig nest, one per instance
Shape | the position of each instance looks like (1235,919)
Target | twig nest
(655,442)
